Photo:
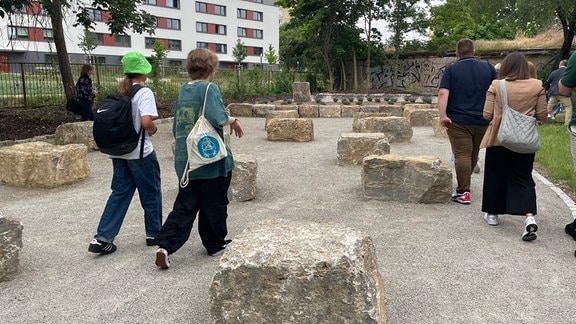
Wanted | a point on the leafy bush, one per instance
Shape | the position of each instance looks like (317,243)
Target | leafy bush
(427,99)
(377,99)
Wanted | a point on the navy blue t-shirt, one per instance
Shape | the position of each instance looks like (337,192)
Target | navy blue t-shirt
(467,80)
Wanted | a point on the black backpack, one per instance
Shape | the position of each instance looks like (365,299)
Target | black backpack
(113,128)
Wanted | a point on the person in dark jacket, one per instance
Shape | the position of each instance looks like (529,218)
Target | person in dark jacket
(85,92)
(554,96)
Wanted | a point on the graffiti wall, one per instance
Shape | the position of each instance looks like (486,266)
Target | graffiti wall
(423,74)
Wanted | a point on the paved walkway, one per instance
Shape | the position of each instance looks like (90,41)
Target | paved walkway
(440,263)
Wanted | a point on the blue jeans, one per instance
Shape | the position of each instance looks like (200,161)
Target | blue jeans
(129,175)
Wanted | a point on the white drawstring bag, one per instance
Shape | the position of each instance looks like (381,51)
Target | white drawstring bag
(204,145)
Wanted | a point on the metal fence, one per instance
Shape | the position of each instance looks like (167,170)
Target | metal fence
(40,84)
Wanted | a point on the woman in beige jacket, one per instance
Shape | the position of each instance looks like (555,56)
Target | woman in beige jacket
(508,184)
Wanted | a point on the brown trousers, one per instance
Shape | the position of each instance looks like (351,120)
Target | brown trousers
(465,141)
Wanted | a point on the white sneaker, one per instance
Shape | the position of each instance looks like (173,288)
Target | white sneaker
(162,259)
(491,219)
(530,229)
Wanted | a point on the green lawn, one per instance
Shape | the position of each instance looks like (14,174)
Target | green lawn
(554,157)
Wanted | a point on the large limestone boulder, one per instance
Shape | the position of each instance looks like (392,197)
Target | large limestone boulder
(421,179)
(439,131)
(240,109)
(75,133)
(349,110)
(308,111)
(301,92)
(397,129)
(329,111)
(420,116)
(43,165)
(360,115)
(261,110)
(353,147)
(370,108)
(281,271)
(393,110)
(287,107)
(417,106)
(280,114)
(243,184)
(10,247)
(290,130)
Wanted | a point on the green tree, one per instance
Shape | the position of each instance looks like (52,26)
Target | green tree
(124,15)
(160,53)
(321,29)
(88,43)
(239,52)
(501,19)
(270,55)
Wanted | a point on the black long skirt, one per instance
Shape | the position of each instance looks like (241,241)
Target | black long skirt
(508,184)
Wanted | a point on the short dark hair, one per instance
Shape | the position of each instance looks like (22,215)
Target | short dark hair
(465,47)
(201,63)
(514,67)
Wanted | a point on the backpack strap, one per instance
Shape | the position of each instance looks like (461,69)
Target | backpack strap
(133,90)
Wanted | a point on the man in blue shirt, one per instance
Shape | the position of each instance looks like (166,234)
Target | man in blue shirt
(460,105)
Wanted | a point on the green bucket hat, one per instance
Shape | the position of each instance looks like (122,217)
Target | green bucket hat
(135,63)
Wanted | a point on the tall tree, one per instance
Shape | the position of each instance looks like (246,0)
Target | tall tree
(372,10)
(321,22)
(124,15)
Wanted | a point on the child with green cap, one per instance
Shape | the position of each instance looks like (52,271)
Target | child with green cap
(130,171)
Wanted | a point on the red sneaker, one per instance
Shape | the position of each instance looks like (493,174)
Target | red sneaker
(463,198)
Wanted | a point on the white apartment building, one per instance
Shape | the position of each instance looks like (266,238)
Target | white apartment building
(182,25)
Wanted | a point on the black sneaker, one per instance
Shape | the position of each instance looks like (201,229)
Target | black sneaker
(97,246)
(569,229)
(221,251)
(151,241)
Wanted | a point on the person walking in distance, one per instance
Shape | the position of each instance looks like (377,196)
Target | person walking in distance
(554,95)
(206,193)
(508,184)
(460,103)
(130,171)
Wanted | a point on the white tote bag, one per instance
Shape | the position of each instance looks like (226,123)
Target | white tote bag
(204,145)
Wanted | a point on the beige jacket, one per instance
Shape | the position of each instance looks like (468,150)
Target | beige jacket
(526,96)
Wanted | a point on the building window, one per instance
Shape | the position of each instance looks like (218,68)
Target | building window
(258,51)
(259,1)
(101,59)
(17,32)
(257,15)
(221,29)
(173,23)
(48,34)
(242,13)
(201,45)
(221,48)
(174,63)
(173,4)
(99,38)
(258,33)
(242,32)
(220,10)
(122,41)
(174,45)
(201,7)
(95,14)
(149,42)
(151,2)
(201,27)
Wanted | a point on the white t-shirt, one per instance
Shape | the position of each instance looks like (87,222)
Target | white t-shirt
(143,104)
